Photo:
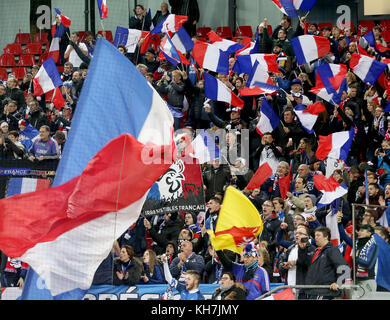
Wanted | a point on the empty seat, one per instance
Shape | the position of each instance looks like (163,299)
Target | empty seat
(108,35)
(22,38)
(202,32)
(225,32)
(13,48)
(81,35)
(7,60)
(33,48)
(19,72)
(43,58)
(3,74)
(41,37)
(325,24)
(244,31)
(26,60)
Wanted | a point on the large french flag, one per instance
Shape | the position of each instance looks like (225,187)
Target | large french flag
(286,7)
(47,78)
(225,45)
(182,41)
(330,188)
(366,68)
(245,63)
(211,57)
(269,120)
(170,53)
(204,147)
(171,23)
(304,5)
(335,145)
(308,48)
(103,9)
(128,38)
(308,115)
(100,186)
(216,90)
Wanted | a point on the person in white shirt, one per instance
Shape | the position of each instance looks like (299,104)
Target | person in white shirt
(72,54)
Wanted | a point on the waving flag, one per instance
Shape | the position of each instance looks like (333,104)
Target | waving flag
(261,175)
(330,188)
(171,23)
(366,68)
(284,183)
(171,54)
(210,57)
(204,148)
(182,41)
(239,222)
(269,120)
(335,145)
(47,78)
(308,115)
(65,21)
(245,63)
(332,76)
(287,7)
(58,99)
(216,90)
(103,9)
(308,48)
(286,294)
(64,248)
(28,134)
(304,5)
(128,38)
(57,32)
(225,45)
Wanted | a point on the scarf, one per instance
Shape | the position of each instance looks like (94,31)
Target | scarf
(251,267)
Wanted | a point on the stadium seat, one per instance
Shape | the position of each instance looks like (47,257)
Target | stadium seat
(7,60)
(82,36)
(225,32)
(364,27)
(33,48)
(13,48)
(108,35)
(325,24)
(201,33)
(244,31)
(22,38)
(43,58)
(41,37)
(3,74)
(385,26)
(245,40)
(26,60)
(19,72)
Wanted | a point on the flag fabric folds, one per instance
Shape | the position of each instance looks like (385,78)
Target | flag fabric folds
(225,45)
(331,76)
(103,9)
(210,57)
(286,294)
(246,63)
(269,120)
(128,38)
(305,5)
(307,116)
(216,90)
(261,175)
(308,48)
(330,188)
(204,148)
(366,68)
(172,23)
(335,145)
(74,229)
(182,41)
(239,222)
(64,19)
(170,53)
(47,78)
(286,7)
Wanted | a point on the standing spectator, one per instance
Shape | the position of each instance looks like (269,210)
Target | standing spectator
(215,178)
(161,14)
(36,117)
(60,139)
(44,147)
(286,25)
(11,115)
(149,60)
(70,53)
(127,270)
(295,202)
(90,42)
(14,93)
(187,8)
(15,145)
(141,20)
(66,75)
(322,266)
(151,270)
(214,205)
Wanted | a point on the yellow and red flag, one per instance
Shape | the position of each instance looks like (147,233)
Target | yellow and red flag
(239,222)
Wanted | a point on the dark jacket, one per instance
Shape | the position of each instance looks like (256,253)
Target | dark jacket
(17,95)
(159,17)
(37,119)
(187,8)
(175,93)
(215,180)
(133,269)
(323,270)
(140,24)
(235,291)
(194,262)
(170,232)
(155,277)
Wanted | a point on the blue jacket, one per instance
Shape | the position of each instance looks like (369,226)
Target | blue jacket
(194,262)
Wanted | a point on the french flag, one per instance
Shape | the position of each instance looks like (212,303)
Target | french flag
(269,120)
(216,90)
(245,63)
(171,23)
(225,45)
(128,38)
(308,48)
(366,68)
(204,147)
(335,145)
(332,76)
(287,7)
(47,78)
(170,53)
(103,9)
(58,99)
(74,228)
(304,5)
(182,41)
(64,19)
(26,185)
(261,175)
(210,57)
(308,115)
(330,188)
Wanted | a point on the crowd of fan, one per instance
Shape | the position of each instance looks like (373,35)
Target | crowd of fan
(295,234)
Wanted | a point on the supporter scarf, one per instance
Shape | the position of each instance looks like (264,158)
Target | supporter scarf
(251,267)
(14,266)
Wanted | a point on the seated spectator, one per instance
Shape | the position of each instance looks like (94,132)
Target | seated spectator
(151,270)
(141,20)
(127,270)
(11,115)
(44,147)
(229,288)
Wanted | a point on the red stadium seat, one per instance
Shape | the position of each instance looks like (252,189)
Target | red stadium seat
(33,48)
(244,31)
(245,40)
(13,48)
(202,32)
(3,74)
(269,28)
(41,37)
(385,26)
(325,24)
(364,27)
(7,60)
(225,32)
(23,38)
(43,58)
(26,60)
(108,35)
(19,72)
(82,36)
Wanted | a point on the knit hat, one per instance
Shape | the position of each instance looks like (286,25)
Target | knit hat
(313,198)
(250,250)
(296,81)
(172,215)
(151,50)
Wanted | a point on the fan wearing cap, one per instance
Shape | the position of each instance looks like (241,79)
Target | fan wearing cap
(296,95)
(254,277)
(149,60)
